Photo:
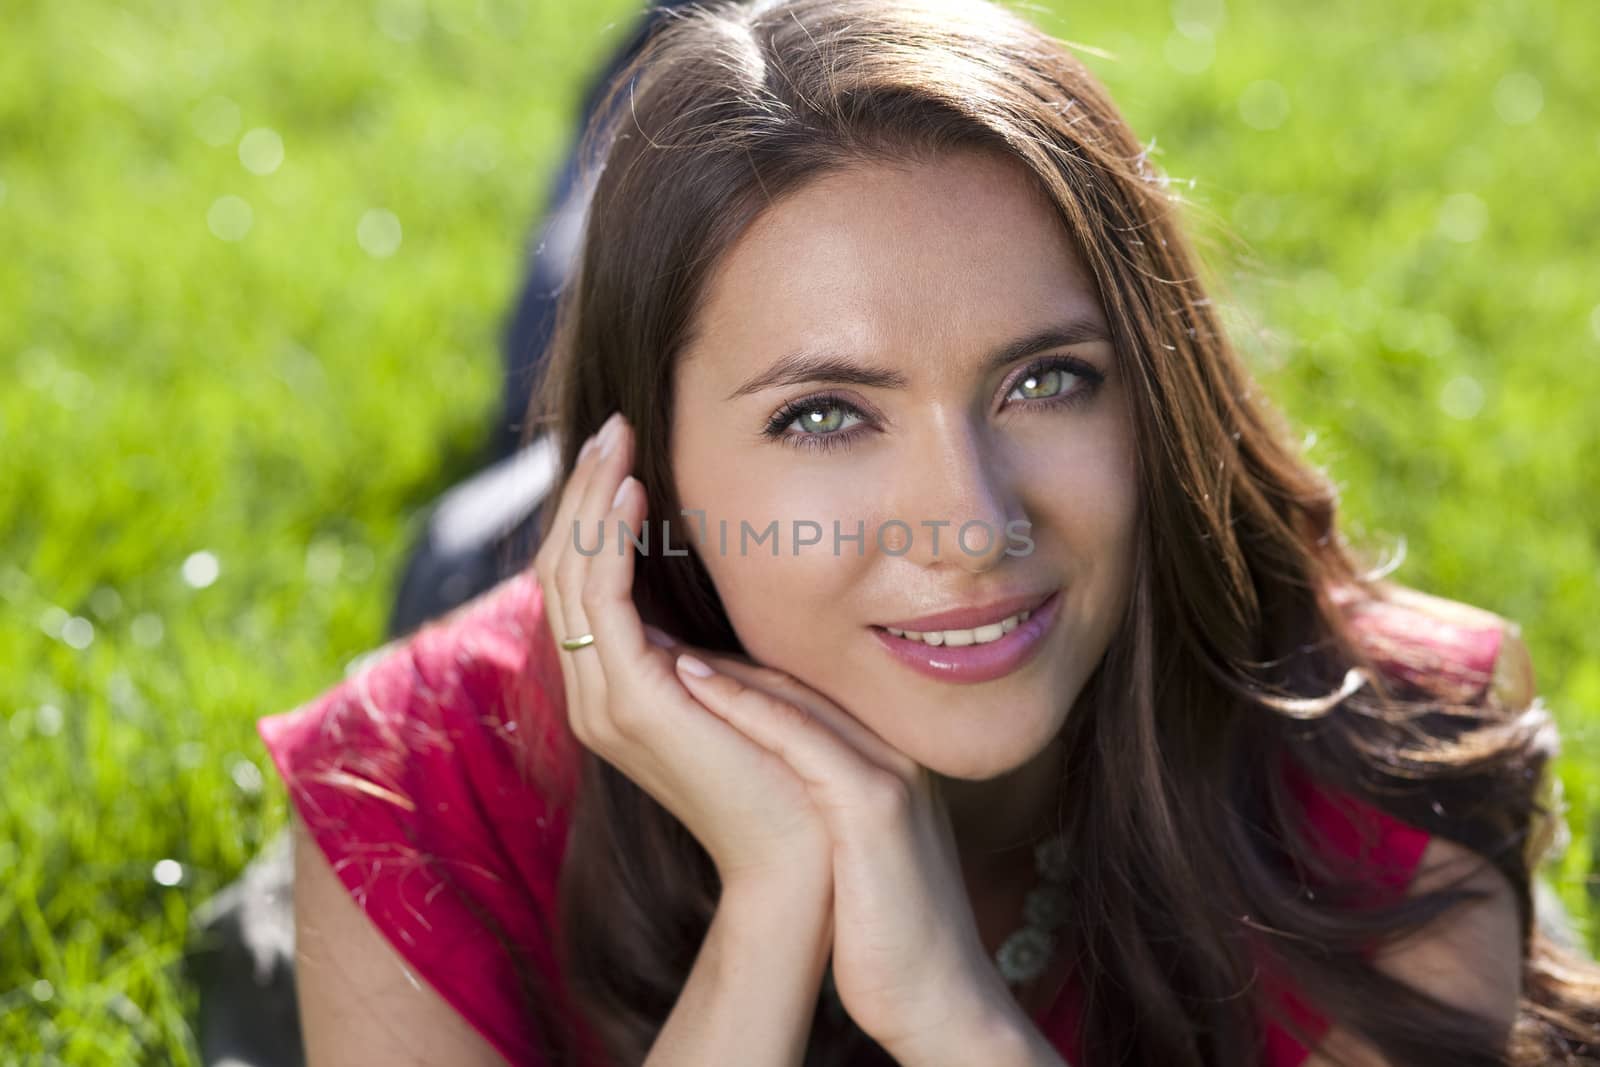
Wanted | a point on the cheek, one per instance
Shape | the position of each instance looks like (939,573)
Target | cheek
(1088,490)
(770,596)
(1113,529)
(1106,501)
(787,611)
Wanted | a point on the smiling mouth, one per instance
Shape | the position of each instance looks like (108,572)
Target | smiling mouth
(978,635)
(965,627)
(983,653)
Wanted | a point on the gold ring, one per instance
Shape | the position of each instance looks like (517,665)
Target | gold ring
(572,644)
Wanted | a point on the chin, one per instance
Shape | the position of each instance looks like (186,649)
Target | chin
(987,754)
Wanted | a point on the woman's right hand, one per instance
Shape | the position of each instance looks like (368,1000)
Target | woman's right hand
(745,805)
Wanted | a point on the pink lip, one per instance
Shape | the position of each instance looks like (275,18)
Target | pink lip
(971,618)
(975,663)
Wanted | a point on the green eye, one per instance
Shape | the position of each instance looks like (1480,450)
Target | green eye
(824,421)
(829,421)
(824,418)
(1042,380)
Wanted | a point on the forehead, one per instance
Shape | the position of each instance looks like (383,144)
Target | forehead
(932,261)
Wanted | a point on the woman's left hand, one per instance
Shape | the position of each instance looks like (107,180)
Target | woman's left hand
(908,963)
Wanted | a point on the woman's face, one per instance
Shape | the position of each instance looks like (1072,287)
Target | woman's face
(860,361)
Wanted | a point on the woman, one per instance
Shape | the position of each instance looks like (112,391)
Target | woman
(1134,764)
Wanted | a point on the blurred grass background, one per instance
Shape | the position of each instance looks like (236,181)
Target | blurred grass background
(256,258)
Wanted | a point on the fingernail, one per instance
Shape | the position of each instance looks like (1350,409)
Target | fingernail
(588,446)
(689,665)
(616,498)
(658,637)
(609,434)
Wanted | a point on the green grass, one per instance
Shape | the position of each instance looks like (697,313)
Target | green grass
(1408,227)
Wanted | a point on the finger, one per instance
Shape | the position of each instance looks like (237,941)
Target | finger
(582,676)
(786,686)
(608,590)
(588,527)
(843,781)
(876,819)
(557,539)
(571,493)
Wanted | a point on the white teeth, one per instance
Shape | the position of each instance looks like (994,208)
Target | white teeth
(982,635)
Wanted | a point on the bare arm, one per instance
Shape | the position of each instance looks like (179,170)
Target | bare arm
(1471,958)
(358,1002)
(748,999)
(751,993)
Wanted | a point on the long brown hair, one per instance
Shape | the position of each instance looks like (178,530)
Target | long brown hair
(1237,648)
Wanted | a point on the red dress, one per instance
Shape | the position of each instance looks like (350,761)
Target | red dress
(444,812)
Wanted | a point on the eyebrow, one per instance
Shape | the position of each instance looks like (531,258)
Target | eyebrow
(808,365)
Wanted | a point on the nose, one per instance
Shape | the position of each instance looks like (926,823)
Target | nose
(957,503)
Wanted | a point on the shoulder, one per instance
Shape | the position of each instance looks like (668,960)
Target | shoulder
(434,781)
(473,699)
(1470,957)
(1433,648)
(1445,648)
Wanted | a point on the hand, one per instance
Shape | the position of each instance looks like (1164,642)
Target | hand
(624,701)
(908,962)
